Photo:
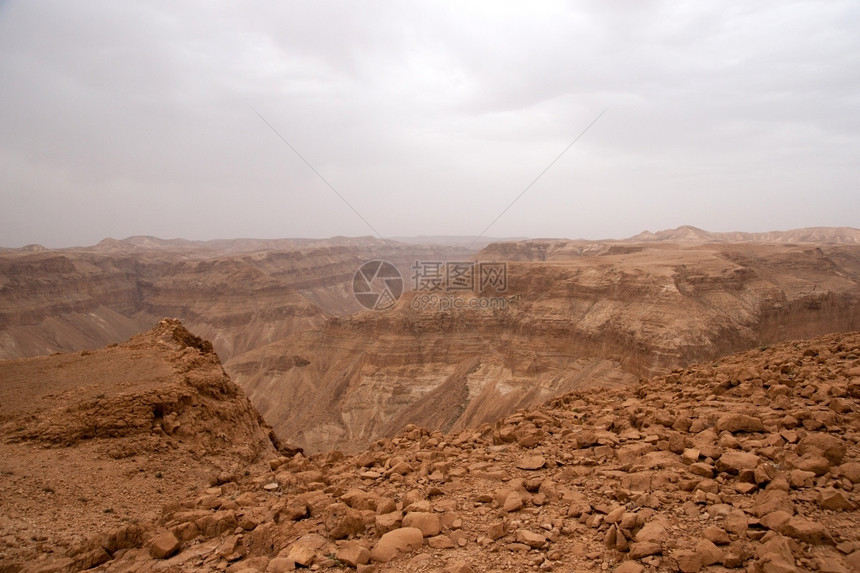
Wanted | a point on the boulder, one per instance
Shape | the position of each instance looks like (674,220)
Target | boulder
(395,542)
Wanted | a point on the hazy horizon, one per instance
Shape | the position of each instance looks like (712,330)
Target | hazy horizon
(149,118)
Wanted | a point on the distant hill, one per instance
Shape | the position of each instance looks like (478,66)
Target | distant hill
(689,234)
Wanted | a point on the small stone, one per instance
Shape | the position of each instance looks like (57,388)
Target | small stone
(353,555)
(496,530)
(716,535)
(341,521)
(708,553)
(800,478)
(302,554)
(688,561)
(827,445)
(739,423)
(652,531)
(850,470)
(531,463)
(513,502)
(387,522)
(734,461)
(690,455)
(398,541)
(430,524)
(775,520)
(534,540)
(834,499)
(811,532)
(736,522)
(441,542)
(281,565)
(641,549)
(163,545)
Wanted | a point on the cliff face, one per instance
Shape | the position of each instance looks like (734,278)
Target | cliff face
(238,294)
(572,318)
(90,442)
(575,313)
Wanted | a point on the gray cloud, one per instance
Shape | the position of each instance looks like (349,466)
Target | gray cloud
(429,117)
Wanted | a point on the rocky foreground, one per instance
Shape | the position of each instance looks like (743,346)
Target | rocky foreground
(749,463)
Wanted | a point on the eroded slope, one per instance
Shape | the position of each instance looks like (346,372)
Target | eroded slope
(96,442)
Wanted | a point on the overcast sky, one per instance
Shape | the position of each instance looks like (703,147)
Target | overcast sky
(429,118)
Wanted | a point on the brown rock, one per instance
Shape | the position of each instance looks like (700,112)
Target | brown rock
(496,530)
(395,542)
(817,464)
(531,462)
(736,522)
(834,499)
(701,469)
(734,461)
(535,540)
(302,554)
(853,560)
(163,545)
(708,553)
(513,502)
(771,500)
(775,555)
(231,548)
(653,531)
(341,521)
(811,532)
(360,499)
(829,446)
(441,542)
(739,423)
(641,549)
(281,565)
(353,555)
(832,564)
(688,561)
(775,520)
(716,535)
(800,478)
(850,470)
(428,523)
(387,522)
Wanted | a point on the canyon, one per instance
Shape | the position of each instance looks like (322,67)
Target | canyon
(573,315)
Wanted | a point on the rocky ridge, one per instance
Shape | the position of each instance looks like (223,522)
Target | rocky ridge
(94,443)
(750,462)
